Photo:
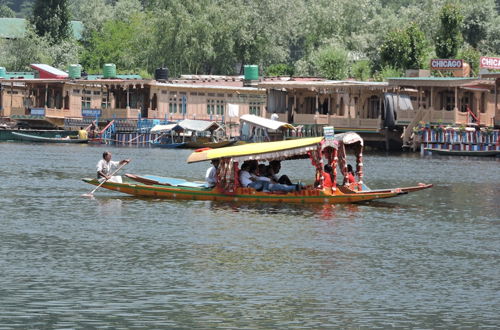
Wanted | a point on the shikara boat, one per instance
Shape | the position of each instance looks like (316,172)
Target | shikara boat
(36,138)
(319,150)
(471,153)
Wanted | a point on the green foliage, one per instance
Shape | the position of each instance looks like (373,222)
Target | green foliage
(404,49)
(117,43)
(449,37)
(471,56)
(476,22)
(282,69)
(332,63)
(18,54)
(361,70)
(51,18)
(5,11)
(387,72)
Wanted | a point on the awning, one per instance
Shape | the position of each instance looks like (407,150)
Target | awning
(265,123)
(259,151)
(165,128)
(198,125)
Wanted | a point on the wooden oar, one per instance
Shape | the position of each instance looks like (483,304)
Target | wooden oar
(91,194)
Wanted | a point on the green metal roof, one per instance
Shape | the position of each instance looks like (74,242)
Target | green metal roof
(15,28)
(12,28)
(16,75)
(119,76)
(432,78)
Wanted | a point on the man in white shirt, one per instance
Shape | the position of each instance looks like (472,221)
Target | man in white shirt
(106,165)
(211,175)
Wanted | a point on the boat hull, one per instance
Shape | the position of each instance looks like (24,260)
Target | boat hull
(324,196)
(197,145)
(34,138)
(472,153)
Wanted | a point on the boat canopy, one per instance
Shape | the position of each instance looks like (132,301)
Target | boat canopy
(158,129)
(265,123)
(287,149)
(348,138)
(199,125)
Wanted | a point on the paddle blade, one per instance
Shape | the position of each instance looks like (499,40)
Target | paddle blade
(90,195)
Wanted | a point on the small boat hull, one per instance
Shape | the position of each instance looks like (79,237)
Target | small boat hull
(213,145)
(471,153)
(311,195)
(35,138)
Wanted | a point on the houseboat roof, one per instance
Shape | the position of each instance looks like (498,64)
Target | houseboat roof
(494,75)
(432,81)
(198,125)
(197,86)
(320,84)
(264,122)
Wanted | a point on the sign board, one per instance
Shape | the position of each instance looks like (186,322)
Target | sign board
(37,111)
(446,64)
(91,112)
(489,63)
(328,132)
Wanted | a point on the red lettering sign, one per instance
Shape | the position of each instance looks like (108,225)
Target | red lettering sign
(446,64)
(489,62)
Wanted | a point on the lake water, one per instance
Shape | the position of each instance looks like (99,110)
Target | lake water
(430,259)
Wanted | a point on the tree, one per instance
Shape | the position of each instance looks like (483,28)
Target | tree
(471,56)
(476,22)
(361,70)
(276,70)
(404,49)
(5,11)
(331,62)
(51,18)
(449,37)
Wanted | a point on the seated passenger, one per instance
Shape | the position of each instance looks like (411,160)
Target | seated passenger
(211,175)
(275,166)
(327,176)
(249,178)
(350,174)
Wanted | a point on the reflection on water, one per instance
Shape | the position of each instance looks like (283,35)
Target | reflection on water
(424,260)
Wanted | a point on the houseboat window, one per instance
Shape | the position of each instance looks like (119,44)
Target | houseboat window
(201,94)
(86,102)
(220,95)
(373,107)
(88,92)
(172,105)
(164,92)
(254,109)
(447,101)
(154,102)
(105,103)
(193,93)
(482,107)
(220,107)
(466,101)
(310,105)
(76,91)
(341,107)
(210,107)
(211,94)
(97,93)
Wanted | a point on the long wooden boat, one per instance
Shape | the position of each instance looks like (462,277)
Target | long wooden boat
(36,138)
(319,150)
(472,153)
(200,143)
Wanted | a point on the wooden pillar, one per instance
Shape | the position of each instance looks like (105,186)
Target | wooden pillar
(317,103)
(46,95)
(128,97)
(432,98)
(11,95)
(456,98)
